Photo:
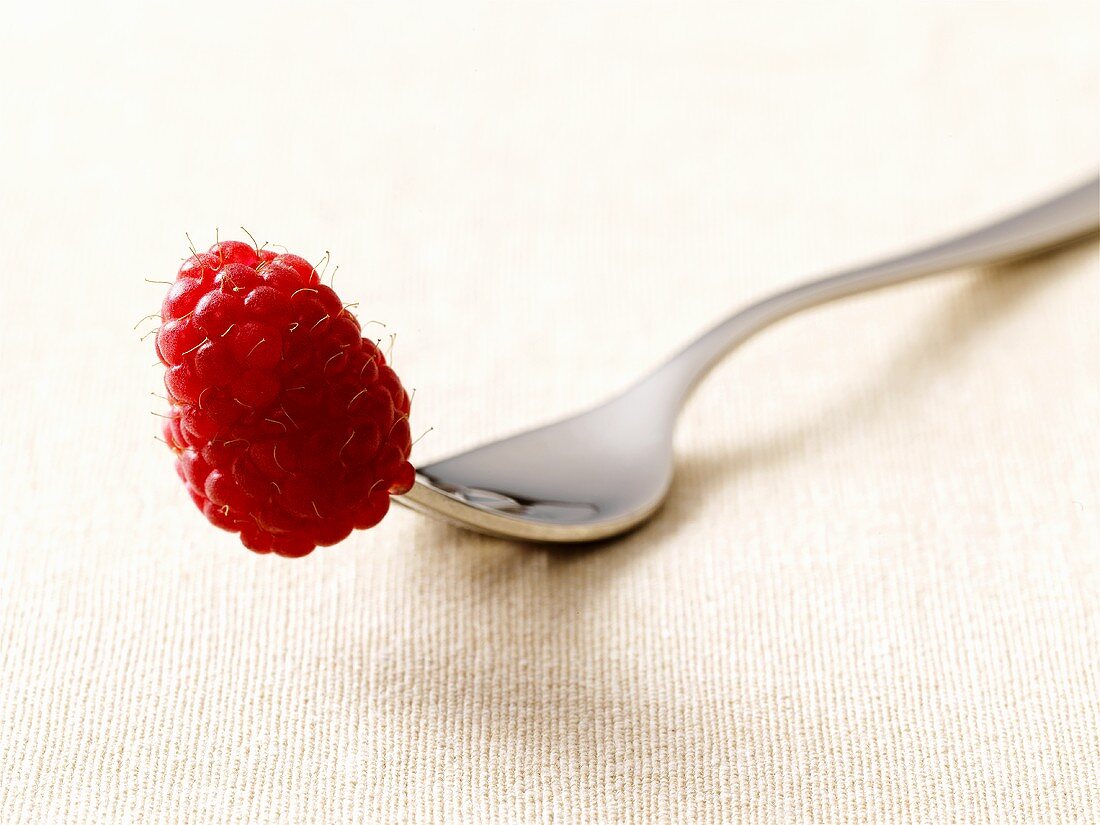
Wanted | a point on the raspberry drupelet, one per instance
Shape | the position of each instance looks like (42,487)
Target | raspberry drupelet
(287,424)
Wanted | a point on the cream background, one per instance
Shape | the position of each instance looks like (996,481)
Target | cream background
(874,592)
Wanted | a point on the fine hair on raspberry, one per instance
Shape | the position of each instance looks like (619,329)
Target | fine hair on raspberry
(288,426)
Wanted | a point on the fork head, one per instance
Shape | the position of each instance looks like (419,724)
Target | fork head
(588,477)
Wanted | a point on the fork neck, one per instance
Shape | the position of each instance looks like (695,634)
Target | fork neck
(1061,220)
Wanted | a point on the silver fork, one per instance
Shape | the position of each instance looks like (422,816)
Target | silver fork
(602,472)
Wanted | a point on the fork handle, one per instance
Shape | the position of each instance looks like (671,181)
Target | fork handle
(1060,220)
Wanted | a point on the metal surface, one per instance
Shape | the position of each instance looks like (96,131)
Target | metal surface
(604,471)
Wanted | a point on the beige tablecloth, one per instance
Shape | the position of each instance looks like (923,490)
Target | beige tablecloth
(874,592)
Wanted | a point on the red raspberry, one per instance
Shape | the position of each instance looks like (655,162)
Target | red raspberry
(288,426)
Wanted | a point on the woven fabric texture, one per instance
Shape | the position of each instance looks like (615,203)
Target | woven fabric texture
(874,593)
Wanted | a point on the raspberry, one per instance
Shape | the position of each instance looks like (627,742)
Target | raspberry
(288,426)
